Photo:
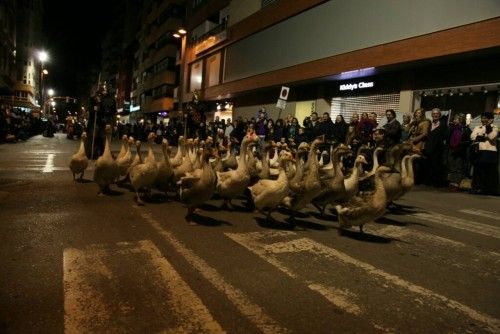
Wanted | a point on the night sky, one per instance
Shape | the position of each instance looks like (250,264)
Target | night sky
(74,30)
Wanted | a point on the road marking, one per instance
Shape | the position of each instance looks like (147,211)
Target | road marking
(463,224)
(397,232)
(483,263)
(87,310)
(310,246)
(252,311)
(482,213)
(49,164)
(338,297)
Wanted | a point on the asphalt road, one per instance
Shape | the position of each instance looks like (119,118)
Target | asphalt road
(75,262)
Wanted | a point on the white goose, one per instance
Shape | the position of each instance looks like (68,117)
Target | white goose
(351,183)
(125,160)
(229,160)
(143,175)
(186,165)
(361,210)
(137,158)
(197,187)
(124,147)
(407,175)
(333,187)
(268,194)
(233,183)
(79,160)
(106,169)
(309,187)
(165,170)
(181,151)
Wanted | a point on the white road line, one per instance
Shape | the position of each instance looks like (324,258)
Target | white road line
(195,315)
(308,245)
(397,232)
(253,312)
(340,298)
(86,310)
(49,164)
(463,224)
(81,301)
(482,213)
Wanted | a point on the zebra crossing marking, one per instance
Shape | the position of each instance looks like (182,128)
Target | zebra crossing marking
(87,309)
(459,223)
(252,311)
(311,246)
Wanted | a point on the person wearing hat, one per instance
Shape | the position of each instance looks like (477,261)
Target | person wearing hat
(485,174)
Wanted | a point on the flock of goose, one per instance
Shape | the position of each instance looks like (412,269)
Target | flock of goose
(288,178)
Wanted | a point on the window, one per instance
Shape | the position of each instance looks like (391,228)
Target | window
(166,64)
(163,91)
(196,76)
(212,70)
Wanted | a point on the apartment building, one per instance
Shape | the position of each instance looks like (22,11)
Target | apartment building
(342,57)
(155,63)
(7,47)
(20,33)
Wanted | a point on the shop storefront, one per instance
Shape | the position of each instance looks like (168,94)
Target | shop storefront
(365,95)
(467,99)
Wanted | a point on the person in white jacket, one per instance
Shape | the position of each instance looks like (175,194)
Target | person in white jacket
(485,175)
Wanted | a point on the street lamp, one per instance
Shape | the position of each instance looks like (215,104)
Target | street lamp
(181,33)
(42,57)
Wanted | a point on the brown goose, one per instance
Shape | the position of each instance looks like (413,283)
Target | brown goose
(361,210)
(79,160)
(268,194)
(309,187)
(197,187)
(232,184)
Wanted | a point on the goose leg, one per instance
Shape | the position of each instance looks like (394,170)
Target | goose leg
(74,179)
(268,216)
(138,198)
(81,175)
(190,213)
(361,228)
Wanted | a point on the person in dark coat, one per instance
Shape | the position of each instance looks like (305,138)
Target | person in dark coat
(339,131)
(434,150)
(102,111)
(459,141)
(392,128)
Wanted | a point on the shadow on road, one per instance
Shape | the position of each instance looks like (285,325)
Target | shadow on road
(389,221)
(83,181)
(207,221)
(356,235)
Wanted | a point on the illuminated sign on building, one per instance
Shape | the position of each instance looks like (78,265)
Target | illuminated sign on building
(359,85)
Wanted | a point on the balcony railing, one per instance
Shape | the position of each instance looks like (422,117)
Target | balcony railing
(212,32)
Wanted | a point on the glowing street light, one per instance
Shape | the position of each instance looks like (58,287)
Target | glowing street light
(50,92)
(43,56)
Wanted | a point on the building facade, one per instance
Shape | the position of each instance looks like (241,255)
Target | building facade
(20,71)
(155,65)
(343,56)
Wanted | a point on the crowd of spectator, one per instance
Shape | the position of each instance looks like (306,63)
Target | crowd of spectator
(451,152)
(17,125)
